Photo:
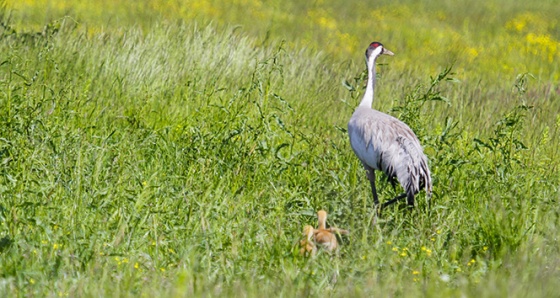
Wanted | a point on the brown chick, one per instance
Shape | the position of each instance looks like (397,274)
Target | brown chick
(323,236)
(308,247)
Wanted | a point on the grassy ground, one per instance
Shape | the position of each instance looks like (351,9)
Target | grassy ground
(157,149)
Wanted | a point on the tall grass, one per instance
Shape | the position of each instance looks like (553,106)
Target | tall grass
(180,158)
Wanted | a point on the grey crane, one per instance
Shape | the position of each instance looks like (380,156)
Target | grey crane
(382,142)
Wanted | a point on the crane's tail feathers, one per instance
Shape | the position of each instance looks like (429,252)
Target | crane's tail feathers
(426,177)
(429,185)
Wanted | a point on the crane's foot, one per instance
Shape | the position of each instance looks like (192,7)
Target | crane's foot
(378,209)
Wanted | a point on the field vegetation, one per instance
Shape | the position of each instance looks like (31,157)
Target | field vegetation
(177,148)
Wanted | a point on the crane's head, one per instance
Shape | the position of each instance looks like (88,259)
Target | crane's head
(308,232)
(375,50)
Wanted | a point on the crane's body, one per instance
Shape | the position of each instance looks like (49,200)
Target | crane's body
(324,236)
(384,143)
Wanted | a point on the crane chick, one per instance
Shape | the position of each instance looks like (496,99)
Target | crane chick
(326,238)
(308,247)
(384,143)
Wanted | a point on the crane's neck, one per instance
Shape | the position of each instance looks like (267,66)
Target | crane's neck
(322,216)
(367,100)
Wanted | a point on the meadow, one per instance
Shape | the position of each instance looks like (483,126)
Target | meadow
(177,148)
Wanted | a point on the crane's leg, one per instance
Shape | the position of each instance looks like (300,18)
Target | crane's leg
(393,200)
(371,176)
(410,199)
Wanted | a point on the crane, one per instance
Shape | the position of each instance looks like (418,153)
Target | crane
(308,247)
(382,142)
(323,236)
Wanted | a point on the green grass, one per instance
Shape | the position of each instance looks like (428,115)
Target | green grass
(166,156)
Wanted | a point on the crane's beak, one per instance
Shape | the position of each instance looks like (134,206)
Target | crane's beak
(387,52)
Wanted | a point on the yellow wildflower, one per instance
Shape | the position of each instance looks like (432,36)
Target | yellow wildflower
(429,252)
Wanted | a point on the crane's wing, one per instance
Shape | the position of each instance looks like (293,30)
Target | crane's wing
(385,143)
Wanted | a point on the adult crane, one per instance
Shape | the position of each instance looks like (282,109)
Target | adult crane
(382,142)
